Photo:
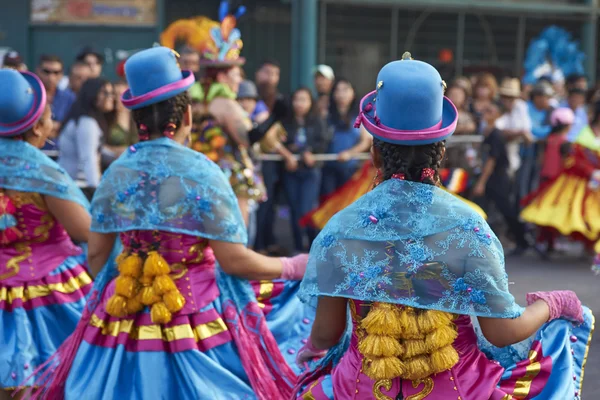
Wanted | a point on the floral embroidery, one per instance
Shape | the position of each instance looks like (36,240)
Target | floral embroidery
(427,250)
(165,186)
(363,274)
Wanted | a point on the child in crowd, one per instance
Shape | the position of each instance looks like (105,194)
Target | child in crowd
(494,182)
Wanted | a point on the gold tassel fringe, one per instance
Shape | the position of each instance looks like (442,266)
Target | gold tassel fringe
(155,265)
(380,346)
(383,319)
(385,368)
(163,284)
(131,266)
(174,301)
(117,306)
(160,314)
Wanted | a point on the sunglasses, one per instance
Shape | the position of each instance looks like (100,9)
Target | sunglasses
(52,71)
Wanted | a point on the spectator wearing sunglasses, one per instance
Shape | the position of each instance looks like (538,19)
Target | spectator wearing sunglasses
(51,70)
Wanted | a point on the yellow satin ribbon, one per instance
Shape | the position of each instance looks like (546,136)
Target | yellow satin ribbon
(154,332)
(72,285)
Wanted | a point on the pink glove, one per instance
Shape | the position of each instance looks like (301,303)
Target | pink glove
(294,268)
(562,303)
(308,353)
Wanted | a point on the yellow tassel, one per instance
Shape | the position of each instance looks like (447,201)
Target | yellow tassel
(163,284)
(443,359)
(410,327)
(134,305)
(146,280)
(414,347)
(155,265)
(430,320)
(131,266)
(126,286)
(385,368)
(174,301)
(383,319)
(160,314)
(380,346)
(441,337)
(417,368)
(149,297)
(117,306)
(120,258)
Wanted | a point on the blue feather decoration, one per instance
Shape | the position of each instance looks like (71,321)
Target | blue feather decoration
(223,10)
(241,10)
(556,46)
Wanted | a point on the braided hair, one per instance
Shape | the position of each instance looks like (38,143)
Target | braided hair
(400,341)
(411,160)
(158,117)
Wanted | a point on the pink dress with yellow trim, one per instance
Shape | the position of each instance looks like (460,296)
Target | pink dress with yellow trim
(476,376)
(43,283)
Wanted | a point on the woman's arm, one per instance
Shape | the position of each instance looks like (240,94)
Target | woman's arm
(88,145)
(363,145)
(232,117)
(99,248)
(504,332)
(238,260)
(73,217)
(330,322)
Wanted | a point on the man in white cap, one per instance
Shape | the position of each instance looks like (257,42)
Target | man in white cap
(324,78)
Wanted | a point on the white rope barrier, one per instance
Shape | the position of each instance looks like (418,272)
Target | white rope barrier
(453,141)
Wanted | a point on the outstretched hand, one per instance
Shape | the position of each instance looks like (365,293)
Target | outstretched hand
(294,267)
(562,304)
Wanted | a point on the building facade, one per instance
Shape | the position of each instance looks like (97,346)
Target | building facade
(355,37)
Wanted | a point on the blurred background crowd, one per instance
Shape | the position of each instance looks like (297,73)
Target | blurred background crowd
(497,158)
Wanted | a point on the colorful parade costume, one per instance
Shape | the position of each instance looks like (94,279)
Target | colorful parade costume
(219,45)
(415,264)
(172,324)
(570,204)
(362,181)
(43,274)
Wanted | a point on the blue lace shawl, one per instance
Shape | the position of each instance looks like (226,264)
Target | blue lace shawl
(412,244)
(162,185)
(25,168)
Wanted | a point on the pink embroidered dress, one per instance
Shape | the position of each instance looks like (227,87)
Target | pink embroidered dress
(417,266)
(43,283)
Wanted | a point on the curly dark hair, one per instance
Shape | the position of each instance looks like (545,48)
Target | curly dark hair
(410,160)
(157,116)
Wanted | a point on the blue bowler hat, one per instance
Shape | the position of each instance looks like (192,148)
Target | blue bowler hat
(154,76)
(22,101)
(408,107)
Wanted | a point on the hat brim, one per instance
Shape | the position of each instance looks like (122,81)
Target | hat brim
(440,131)
(34,114)
(223,63)
(509,93)
(157,95)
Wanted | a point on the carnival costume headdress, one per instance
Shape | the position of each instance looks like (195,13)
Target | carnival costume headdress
(416,253)
(553,54)
(218,43)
